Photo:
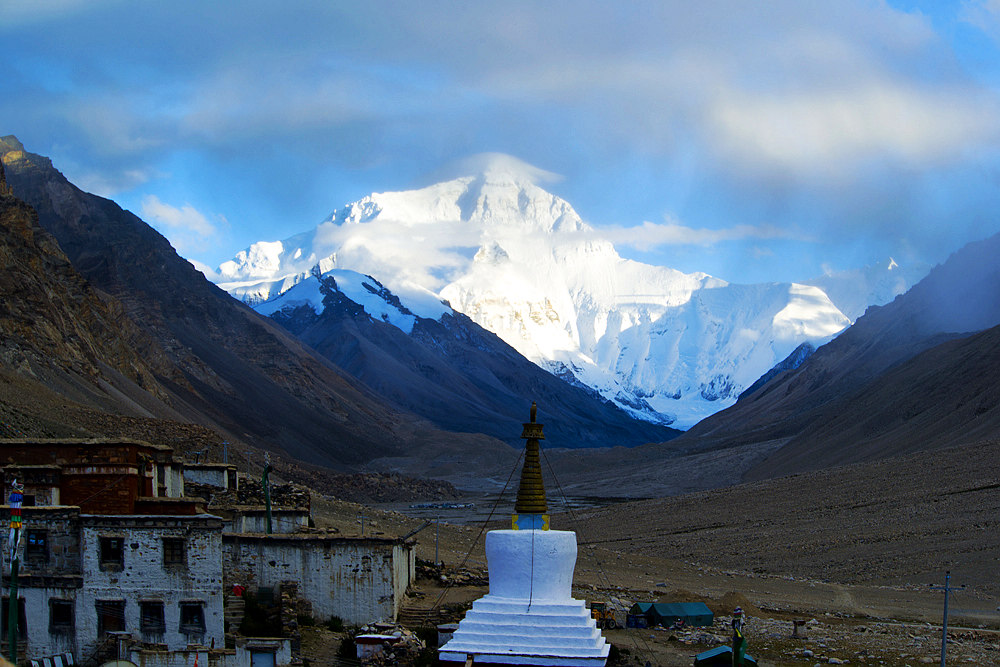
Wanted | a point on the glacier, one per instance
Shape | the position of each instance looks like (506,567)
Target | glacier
(666,346)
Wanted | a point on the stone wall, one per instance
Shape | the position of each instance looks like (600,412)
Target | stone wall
(359,580)
(143,576)
(218,475)
(62,534)
(246,520)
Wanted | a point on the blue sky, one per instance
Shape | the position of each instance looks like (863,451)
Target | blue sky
(753,141)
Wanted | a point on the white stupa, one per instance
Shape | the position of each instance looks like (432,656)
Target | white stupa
(529,617)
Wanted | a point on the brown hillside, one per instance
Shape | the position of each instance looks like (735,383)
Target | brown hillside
(237,372)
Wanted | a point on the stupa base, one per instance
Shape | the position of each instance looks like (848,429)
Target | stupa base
(487,660)
(504,631)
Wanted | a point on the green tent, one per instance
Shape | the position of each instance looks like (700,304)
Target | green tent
(692,613)
(640,608)
(720,656)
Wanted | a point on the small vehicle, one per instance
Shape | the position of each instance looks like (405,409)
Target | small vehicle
(604,616)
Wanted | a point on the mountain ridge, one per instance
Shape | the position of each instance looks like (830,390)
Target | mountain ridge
(665,346)
(242,374)
(948,317)
(447,369)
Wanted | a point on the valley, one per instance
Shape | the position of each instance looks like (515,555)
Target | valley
(839,489)
(854,551)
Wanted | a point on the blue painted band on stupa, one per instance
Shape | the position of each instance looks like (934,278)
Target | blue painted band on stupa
(529,521)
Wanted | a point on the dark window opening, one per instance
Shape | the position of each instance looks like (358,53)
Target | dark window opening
(22,620)
(265,595)
(28,500)
(173,551)
(110,616)
(192,617)
(151,617)
(37,548)
(112,551)
(60,615)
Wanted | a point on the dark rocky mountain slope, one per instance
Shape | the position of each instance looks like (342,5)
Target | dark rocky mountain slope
(213,360)
(56,330)
(907,376)
(458,375)
(947,395)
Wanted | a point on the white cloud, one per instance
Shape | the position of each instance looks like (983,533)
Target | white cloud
(834,130)
(984,14)
(106,183)
(27,12)
(399,252)
(650,235)
(206,270)
(186,228)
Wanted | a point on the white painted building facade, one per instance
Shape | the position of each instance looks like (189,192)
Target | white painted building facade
(359,580)
(162,573)
(157,578)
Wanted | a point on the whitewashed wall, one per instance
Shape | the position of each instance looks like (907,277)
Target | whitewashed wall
(359,580)
(143,575)
(255,521)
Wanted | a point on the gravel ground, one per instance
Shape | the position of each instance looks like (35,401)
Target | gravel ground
(860,622)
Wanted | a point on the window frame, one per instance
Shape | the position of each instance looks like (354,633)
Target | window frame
(66,625)
(105,607)
(35,551)
(22,619)
(195,626)
(174,552)
(148,622)
(109,556)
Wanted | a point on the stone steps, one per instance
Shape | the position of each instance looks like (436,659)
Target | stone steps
(419,617)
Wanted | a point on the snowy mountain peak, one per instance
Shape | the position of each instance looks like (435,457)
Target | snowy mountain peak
(519,261)
(876,284)
(491,253)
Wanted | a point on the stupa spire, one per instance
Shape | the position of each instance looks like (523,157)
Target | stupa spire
(530,510)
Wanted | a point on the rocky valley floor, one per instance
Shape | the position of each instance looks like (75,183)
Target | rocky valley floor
(852,551)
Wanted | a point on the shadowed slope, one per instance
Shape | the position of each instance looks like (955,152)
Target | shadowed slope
(237,370)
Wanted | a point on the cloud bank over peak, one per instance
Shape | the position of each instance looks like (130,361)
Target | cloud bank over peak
(873,124)
(495,166)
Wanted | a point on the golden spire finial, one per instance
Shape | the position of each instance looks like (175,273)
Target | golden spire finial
(531,492)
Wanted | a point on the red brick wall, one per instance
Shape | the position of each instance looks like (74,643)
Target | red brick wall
(101,493)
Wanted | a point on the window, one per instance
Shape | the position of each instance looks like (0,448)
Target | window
(173,551)
(112,551)
(192,617)
(151,617)
(110,616)
(37,549)
(22,622)
(28,500)
(60,615)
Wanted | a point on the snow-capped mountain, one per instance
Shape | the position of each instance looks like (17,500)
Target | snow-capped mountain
(445,368)
(874,285)
(667,346)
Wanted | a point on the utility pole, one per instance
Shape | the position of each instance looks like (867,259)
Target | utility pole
(437,536)
(944,625)
(16,496)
